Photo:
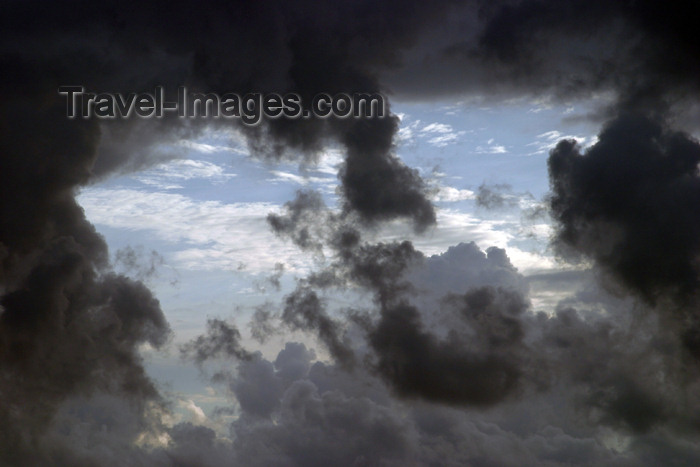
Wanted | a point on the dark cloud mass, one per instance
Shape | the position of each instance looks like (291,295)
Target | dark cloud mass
(455,370)
(630,202)
(280,48)
(68,326)
(437,360)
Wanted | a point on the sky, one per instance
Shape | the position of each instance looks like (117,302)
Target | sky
(503,270)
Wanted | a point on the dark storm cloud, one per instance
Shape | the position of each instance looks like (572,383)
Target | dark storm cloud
(475,365)
(643,52)
(70,336)
(629,202)
(479,369)
(67,325)
(380,187)
(69,328)
(279,48)
(462,344)
(320,416)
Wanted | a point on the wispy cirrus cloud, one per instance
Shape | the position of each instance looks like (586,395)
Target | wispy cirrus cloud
(204,235)
(441,134)
(169,175)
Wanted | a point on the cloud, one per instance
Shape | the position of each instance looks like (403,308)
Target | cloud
(495,196)
(68,324)
(167,175)
(440,134)
(211,148)
(548,141)
(453,371)
(297,179)
(491,149)
(212,234)
(560,387)
(414,361)
(448,194)
(220,341)
(642,230)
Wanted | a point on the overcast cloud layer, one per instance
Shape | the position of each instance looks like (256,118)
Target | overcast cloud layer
(427,360)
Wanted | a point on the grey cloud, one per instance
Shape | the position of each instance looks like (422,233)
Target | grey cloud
(69,326)
(628,203)
(303,309)
(495,196)
(222,340)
